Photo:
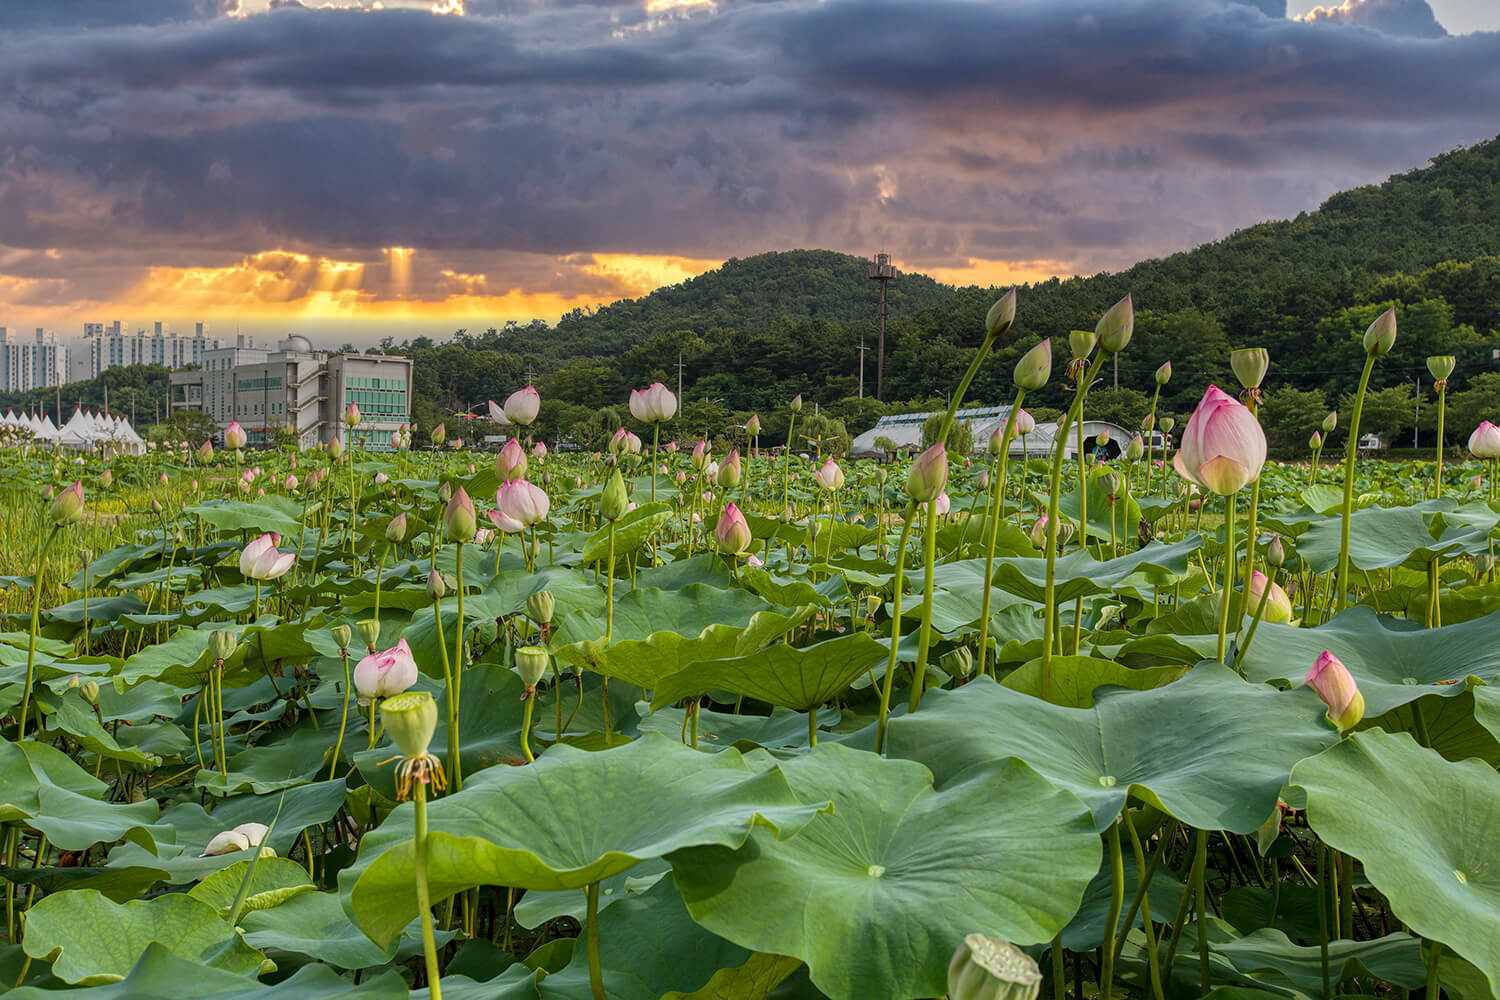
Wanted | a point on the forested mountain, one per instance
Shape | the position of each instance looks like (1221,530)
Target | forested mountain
(761,329)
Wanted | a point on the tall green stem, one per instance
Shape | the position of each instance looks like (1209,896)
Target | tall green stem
(36,612)
(786,462)
(1437,471)
(456,687)
(424,901)
(343,718)
(596,971)
(1200,865)
(924,635)
(1228,596)
(1116,903)
(1341,598)
(1059,444)
(993,531)
(655,453)
(890,666)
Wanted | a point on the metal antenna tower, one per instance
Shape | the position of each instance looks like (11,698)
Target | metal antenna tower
(883,271)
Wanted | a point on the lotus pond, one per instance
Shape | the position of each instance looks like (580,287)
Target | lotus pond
(678,723)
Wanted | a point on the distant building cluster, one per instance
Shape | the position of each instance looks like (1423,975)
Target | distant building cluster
(40,361)
(295,388)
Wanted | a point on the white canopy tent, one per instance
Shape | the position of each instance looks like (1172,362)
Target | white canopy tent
(85,430)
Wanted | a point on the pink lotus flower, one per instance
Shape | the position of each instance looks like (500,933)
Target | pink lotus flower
(510,463)
(700,455)
(617,441)
(1485,441)
(830,476)
(387,673)
(497,413)
(522,406)
(206,451)
(1278,604)
(1039,532)
(1025,422)
(941,505)
(235,436)
(291,483)
(732,532)
(521,501)
(260,560)
(352,415)
(1335,685)
(539,451)
(654,404)
(1223,447)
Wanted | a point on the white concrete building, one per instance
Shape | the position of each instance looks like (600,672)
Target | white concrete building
(30,364)
(106,347)
(296,387)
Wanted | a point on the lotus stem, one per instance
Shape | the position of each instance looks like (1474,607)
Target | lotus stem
(36,617)
(890,666)
(526,726)
(1116,903)
(1228,596)
(996,510)
(1341,597)
(424,902)
(1437,472)
(924,635)
(343,717)
(596,972)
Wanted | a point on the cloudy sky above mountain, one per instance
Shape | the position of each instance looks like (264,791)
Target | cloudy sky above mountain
(412,167)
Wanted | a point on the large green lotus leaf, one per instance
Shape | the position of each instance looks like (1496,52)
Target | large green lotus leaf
(720,730)
(644,611)
(296,758)
(53,795)
(571,818)
(1269,957)
(1078,574)
(20,791)
(273,882)
(790,592)
(1487,709)
(119,884)
(1118,519)
(648,947)
(537,906)
(1211,749)
(972,533)
(89,939)
(162,975)
(314,924)
(1394,661)
(1422,827)
(1454,727)
(800,678)
(268,513)
(1075,678)
(632,532)
(644,662)
(876,895)
(75,717)
(1384,537)
(706,567)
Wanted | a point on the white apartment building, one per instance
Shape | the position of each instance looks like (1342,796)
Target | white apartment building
(30,364)
(106,347)
(296,387)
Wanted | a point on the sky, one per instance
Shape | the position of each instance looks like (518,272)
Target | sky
(361,170)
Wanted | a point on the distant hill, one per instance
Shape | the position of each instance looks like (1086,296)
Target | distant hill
(751,292)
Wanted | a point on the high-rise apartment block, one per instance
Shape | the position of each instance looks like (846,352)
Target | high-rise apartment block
(30,364)
(106,347)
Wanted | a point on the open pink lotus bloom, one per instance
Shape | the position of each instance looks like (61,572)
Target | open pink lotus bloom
(1223,447)
(1485,441)
(522,501)
(386,673)
(830,476)
(260,560)
(505,522)
(521,406)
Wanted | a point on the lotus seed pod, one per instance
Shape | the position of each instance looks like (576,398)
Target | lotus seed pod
(1167,423)
(614,498)
(1115,327)
(1110,484)
(1483,563)
(1001,315)
(90,691)
(531,664)
(221,645)
(1250,365)
(342,636)
(873,603)
(1081,343)
(986,968)
(541,606)
(1380,336)
(881,475)
(1330,422)
(369,631)
(411,719)
(1164,373)
(1065,531)
(957,662)
(1441,366)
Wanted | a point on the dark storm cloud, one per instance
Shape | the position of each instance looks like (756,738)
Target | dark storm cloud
(1089,132)
(75,14)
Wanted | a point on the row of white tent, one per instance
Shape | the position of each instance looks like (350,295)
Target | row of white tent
(85,429)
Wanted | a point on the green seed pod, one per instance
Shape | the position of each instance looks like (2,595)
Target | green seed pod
(1167,423)
(1081,343)
(873,603)
(531,664)
(1250,365)
(411,719)
(221,645)
(986,968)
(957,662)
(541,606)
(342,635)
(369,631)
(1065,531)
(1441,366)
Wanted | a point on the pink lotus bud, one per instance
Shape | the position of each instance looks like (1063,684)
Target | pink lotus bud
(336,447)
(106,478)
(830,476)
(1278,604)
(351,415)
(681,478)
(1039,532)
(1025,423)
(1335,685)
(539,451)
(522,406)
(1485,441)
(458,517)
(260,560)
(206,451)
(928,475)
(67,507)
(291,483)
(752,426)
(510,463)
(617,441)
(1223,447)
(733,531)
(700,455)
(1135,449)
(941,505)
(670,447)
(1476,482)
(796,404)
(1001,315)
(1164,373)
(523,502)
(1035,367)
(1380,336)
(1115,326)
(381,675)
(235,436)
(484,536)
(438,434)
(729,470)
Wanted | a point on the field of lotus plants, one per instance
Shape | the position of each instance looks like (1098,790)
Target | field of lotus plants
(671,723)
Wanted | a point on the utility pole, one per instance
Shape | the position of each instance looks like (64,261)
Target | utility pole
(862,350)
(679,379)
(882,270)
(1416,420)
